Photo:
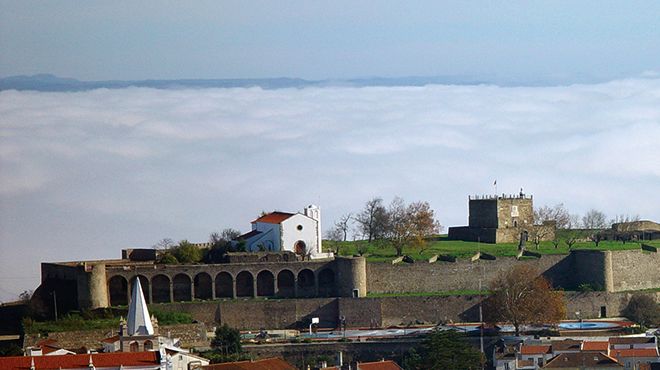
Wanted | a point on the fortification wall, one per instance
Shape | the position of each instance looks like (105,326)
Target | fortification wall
(379,312)
(460,275)
(482,213)
(281,314)
(191,335)
(635,270)
(473,234)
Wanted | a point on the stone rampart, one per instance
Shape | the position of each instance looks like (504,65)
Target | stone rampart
(392,311)
(191,335)
(460,275)
(635,270)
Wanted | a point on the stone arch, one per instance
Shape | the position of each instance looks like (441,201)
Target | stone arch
(286,281)
(182,290)
(244,284)
(118,291)
(327,283)
(203,286)
(148,345)
(306,283)
(160,289)
(145,287)
(224,286)
(134,346)
(265,284)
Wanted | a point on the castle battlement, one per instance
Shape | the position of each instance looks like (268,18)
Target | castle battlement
(499,197)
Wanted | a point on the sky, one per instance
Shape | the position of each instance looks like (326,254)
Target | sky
(570,113)
(510,41)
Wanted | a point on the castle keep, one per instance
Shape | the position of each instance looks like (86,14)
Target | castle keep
(501,219)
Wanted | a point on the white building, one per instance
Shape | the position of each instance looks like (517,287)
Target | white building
(299,233)
(140,333)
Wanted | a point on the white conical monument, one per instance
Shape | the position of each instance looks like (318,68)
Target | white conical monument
(139,321)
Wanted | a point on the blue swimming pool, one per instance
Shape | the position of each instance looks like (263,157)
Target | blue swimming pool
(587,325)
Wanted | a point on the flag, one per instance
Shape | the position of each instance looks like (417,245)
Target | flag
(494,182)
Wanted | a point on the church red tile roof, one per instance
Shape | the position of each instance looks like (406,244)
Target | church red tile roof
(274,217)
(265,364)
(81,361)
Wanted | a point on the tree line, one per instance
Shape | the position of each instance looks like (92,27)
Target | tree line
(398,224)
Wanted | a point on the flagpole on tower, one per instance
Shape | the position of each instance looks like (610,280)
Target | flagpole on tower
(495,185)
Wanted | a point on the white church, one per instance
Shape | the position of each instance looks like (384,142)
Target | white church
(294,232)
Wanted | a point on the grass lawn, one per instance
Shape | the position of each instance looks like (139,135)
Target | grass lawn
(381,252)
(429,294)
(75,321)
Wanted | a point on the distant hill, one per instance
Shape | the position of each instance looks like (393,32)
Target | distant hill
(48,82)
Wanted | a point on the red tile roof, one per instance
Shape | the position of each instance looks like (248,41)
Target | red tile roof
(637,352)
(586,359)
(535,350)
(265,364)
(81,361)
(566,345)
(274,217)
(632,340)
(379,365)
(595,346)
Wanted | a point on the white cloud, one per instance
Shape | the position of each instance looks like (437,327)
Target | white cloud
(101,170)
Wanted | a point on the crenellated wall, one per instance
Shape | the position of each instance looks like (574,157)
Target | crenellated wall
(460,275)
(103,283)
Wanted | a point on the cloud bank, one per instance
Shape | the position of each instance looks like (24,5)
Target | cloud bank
(85,174)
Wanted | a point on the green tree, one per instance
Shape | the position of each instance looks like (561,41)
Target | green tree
(444,349)
(227,340)
(643,310)
(168,259)
(186,252)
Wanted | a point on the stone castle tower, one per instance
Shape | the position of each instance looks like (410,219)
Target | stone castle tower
(500,219)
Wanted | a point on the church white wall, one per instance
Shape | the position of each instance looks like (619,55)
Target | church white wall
(291,234)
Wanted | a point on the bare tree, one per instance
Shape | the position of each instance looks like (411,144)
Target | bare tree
(571,238)
(520,296)
(343,225)
(573,222)
(372,221)
(410,224)
(596,237)
(618,219)
(594,219)
(334,237)
(557,213)
(165,243)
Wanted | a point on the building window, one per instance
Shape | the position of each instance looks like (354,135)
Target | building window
(299,227)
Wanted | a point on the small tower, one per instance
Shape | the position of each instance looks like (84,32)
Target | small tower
(314,213)
(137,333)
